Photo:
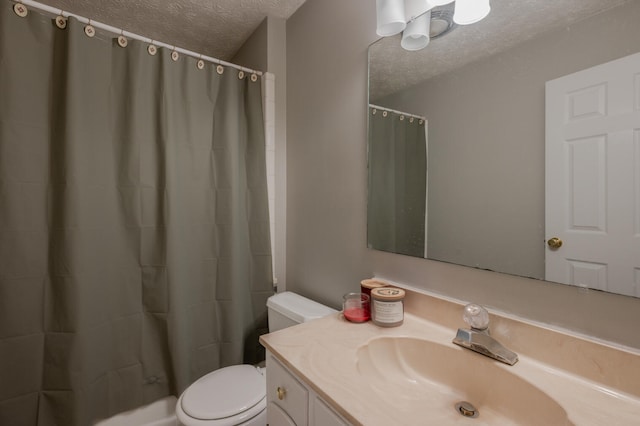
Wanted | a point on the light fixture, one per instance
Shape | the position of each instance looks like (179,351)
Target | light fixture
(415,8)
(441,22)
(416,35)
(413,18)
(391,18)
(470,11)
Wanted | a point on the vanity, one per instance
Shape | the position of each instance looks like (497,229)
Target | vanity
(293,402)
(332,372)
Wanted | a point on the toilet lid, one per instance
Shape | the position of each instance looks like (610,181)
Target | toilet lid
(224,392)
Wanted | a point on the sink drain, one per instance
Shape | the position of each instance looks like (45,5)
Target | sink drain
(467,409)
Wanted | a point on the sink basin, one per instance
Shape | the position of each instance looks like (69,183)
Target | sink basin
(418,374)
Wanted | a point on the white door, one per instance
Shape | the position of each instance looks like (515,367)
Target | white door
(593,177)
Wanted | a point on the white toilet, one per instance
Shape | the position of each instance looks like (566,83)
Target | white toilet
(236,395)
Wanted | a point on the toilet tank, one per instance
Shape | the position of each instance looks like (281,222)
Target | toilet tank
(286,309)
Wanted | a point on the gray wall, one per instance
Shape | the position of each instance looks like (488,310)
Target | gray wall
(327,44)
(254,52)
(486,192)
(277,65)
(326,151)
(266,50)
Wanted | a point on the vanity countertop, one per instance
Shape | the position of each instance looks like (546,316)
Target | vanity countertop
(324,353)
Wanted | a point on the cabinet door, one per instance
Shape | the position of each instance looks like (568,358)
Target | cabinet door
(285,391)
(276,416)
(323,415)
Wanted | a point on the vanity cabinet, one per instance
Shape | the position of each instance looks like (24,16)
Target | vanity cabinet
(290,402)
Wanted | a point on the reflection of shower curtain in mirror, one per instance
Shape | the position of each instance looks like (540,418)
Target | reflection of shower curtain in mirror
(134,229)
(397,183)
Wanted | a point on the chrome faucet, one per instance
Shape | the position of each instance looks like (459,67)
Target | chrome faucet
(477,338)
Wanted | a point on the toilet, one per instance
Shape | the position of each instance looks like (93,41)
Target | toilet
(236,395)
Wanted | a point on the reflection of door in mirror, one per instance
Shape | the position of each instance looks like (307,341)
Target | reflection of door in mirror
(593,177)
(397,182)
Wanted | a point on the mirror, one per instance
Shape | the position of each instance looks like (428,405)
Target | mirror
(482,90)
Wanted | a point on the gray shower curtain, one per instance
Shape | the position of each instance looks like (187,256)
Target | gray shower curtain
(397,183)
(134,229)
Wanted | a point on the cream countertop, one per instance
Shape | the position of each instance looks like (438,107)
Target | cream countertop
(594,383)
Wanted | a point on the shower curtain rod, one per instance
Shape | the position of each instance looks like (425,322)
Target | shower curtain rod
(120,31)
(406,114)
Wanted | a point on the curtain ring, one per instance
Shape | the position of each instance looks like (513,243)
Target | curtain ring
(402,118)
(220,69)
(122,40)
(254,77)
(152,49)
(20,10)
(175,55)
(61,21)
(385,113)
(200,63)
(89,30)
(241,74)
(410,119)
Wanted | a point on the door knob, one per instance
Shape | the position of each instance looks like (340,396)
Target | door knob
(554,243)
(281,392)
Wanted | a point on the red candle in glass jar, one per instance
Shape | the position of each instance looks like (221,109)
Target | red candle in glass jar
(357,314)
(355,307)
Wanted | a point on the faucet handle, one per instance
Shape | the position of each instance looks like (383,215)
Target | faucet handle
(476,316)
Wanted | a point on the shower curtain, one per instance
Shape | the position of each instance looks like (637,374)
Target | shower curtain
(397,183)
(134,230)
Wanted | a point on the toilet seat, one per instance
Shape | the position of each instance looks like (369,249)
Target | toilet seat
(225,397)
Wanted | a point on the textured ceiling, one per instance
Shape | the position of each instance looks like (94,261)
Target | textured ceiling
(216,28)
(510,22)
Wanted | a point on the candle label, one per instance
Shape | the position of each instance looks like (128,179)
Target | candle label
(388,312)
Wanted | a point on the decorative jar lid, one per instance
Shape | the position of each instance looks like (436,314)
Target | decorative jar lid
(373,283)
(387,293)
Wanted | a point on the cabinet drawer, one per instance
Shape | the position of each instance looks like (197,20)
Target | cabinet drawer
(285,391)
